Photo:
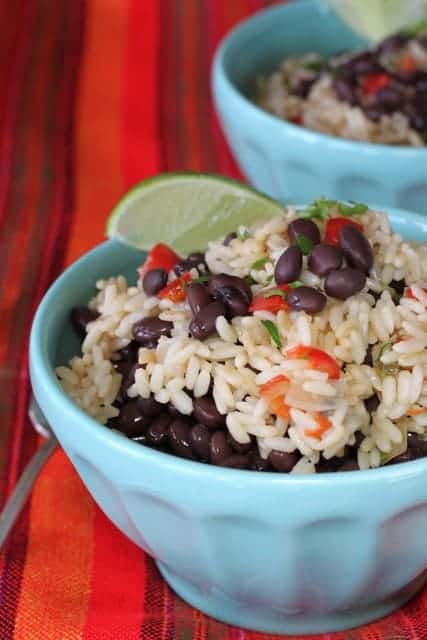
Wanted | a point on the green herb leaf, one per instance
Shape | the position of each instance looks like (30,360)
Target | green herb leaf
(258,264)
(295,284)
(314,65)
(275,292)
(415,29)
(200,279)
(269,279)
(319,209)
(353,209)
(273,331)
(304,243)
(250,280)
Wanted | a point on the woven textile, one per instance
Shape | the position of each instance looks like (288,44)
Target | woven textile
(95,96)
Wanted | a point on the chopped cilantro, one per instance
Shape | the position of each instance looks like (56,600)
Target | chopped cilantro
(258,264)
(243,233)
(313,65)
(352,209)
(275,292)
(250,280)
(295,284)
(322,208)
(269,279)
(416,29)
(273,331)
(200,279)
(304,243)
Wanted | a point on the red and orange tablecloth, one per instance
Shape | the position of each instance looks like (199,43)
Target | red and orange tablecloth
(94,96)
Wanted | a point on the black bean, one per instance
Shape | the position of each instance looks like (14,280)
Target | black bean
(154,280)
(325,258)
(364,63)
(406,456)
(358,437)
(148,330)
(388,99)
(374,113)
(140,438)
(220,450)
(173,410)
(235,301)
(180,440)
(421,82)
(157,432)
(289,265)
(357,248)
(197,296)
(398,286)
(305,227)
(239,446)
(229,238)
(203,323)
(130,420)
(127,369)
(282,460)
(200,437)
(181,267)
(196,260)
(302,86)
(345,90)
(417,119)
(392,43)
(237,461)
(205,411)
(258,463)
(150,407)
(328,466)
(80,318)
(306,299)
(130,352)
(224,280)
(368,357)
(349,465)
(418,442)
(372,403)
(343,283)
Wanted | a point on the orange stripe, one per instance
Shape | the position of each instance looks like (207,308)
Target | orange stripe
(100,180)
(56,579)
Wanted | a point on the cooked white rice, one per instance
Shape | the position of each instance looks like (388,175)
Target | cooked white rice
(241,356)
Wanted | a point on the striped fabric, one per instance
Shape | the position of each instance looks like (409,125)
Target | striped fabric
(95,95)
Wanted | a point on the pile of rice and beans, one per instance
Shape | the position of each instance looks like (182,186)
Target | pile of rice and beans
(296,345)
(377,95)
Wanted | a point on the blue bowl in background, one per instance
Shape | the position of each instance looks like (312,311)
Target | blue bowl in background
(292,163)
(272,552)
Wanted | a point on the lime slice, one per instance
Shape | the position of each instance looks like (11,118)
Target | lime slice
(376,19)
(186,210)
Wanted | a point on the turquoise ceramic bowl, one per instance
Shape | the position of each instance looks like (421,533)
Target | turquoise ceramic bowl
(278,553)
(292,163)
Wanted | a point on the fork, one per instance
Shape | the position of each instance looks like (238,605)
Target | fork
(22,490)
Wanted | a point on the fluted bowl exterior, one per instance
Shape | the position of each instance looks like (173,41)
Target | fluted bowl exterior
(279,553)
(289,162)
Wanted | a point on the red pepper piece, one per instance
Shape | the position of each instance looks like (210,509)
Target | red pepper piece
(374,82)
(274,303)
(407,63)
(334,226)
(160,257)
(176,291)
(318,359)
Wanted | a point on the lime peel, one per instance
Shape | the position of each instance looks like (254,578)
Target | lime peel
(186,210)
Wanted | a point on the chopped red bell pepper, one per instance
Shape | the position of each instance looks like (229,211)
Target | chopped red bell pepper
(273,391)
(407,63)
(265,301)
(176,291)
(334,226)
(374,82)
(323,425)
(318,359)
(409,294)
(160,257)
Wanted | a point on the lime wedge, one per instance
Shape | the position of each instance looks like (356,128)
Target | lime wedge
(376,19)
(186,210)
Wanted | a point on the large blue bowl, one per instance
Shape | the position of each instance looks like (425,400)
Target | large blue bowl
(289,162)
(267,551)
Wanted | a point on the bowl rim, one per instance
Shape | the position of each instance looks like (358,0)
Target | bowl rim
(89,427)
(219,72)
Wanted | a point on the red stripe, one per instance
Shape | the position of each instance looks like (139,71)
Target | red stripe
(140,135)
(118,582)
(155,624)
(169,78)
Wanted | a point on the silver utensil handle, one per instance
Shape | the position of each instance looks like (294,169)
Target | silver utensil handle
(23,488)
